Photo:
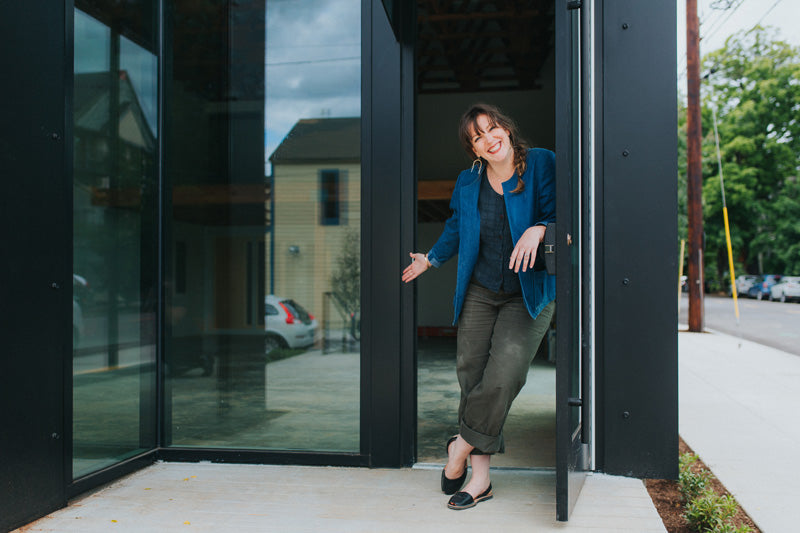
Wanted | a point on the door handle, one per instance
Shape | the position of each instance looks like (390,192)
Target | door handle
(574,4)
(575,402)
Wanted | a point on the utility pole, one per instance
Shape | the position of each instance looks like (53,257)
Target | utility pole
(694,168)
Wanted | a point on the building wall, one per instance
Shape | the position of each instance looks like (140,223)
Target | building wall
(305,274)
(439,152)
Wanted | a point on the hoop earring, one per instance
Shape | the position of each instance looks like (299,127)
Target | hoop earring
(478,161)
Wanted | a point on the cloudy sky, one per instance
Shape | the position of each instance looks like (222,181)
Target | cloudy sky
(313,63)
(719,19)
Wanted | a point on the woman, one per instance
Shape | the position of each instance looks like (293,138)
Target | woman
(501,206)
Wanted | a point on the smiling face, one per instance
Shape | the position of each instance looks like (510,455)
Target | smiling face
(491,141)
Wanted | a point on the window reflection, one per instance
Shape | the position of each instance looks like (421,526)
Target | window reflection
(262,164)
(114,238)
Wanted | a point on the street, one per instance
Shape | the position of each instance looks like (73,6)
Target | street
(773,324)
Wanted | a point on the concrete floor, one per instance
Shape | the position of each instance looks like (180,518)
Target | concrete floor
(310,401)
(203,497)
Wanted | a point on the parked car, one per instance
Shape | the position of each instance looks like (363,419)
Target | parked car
(744,283)
(760,288)
(287,323)
(787,289)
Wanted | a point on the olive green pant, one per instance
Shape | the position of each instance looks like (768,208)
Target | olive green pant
(497,339)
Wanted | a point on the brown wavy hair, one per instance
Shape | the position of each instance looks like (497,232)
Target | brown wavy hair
(469,124)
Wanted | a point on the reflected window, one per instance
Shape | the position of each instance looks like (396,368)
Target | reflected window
(114,236)
(262,162)
(329,197)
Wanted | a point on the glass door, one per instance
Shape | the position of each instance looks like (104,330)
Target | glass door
(571,449)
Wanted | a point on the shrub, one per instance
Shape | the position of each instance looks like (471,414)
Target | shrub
(692,484)
(706,511)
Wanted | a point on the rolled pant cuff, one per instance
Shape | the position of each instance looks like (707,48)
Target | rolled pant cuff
(484,444)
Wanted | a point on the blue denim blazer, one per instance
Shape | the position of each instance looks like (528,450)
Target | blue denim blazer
(536,204)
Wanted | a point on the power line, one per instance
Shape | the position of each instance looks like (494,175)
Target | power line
(711,31)
(706,22)
(728,53)
(683,71)
(767,13)
(307,61)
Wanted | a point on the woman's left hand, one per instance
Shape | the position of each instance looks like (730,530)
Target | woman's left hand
(524,253)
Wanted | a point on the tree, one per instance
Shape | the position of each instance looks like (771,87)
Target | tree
(754,84)
(346,281)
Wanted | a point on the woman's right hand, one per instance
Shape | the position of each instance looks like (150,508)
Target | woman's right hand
(419,264)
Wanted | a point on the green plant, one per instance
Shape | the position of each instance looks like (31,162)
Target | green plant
(711,512)
(730,528)
(706,511)
(692,484)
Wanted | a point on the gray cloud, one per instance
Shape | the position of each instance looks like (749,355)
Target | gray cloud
(313,65)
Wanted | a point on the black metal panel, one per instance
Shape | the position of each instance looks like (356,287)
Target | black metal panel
(388,369)
(408,211)
(639,264)
(570,452)
(587,305)
(599,240)
(36,287)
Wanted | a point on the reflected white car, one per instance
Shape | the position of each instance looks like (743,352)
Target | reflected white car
(787,289)
(287,323)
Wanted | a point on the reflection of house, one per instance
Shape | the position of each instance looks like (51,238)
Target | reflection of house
(115,154)
(118,143)
(317,202)
(96,95)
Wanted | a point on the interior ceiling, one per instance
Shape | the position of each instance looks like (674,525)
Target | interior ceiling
(468,46)
(482,45)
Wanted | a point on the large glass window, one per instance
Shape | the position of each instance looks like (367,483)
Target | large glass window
(114,265)
(262,168)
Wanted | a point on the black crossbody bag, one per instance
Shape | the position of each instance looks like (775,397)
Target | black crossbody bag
(546,253)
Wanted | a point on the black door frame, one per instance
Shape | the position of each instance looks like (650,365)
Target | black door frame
(37,271)
(389,388)
(395,68)
(573,398)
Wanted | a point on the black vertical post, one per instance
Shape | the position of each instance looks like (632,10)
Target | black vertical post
(388,391)
(636,165)
(36,271)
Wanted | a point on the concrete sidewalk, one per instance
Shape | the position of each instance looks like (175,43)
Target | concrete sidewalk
(204,497)
(739,412)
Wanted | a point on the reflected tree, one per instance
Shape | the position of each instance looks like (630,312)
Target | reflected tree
(346,281)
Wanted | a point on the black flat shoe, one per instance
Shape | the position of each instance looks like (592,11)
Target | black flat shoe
(451,486)
(464,500)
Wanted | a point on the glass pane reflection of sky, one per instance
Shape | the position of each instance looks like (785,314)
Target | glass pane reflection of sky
(313,64)
(93,52)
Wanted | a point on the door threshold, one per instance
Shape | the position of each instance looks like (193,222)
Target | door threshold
(437,466)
